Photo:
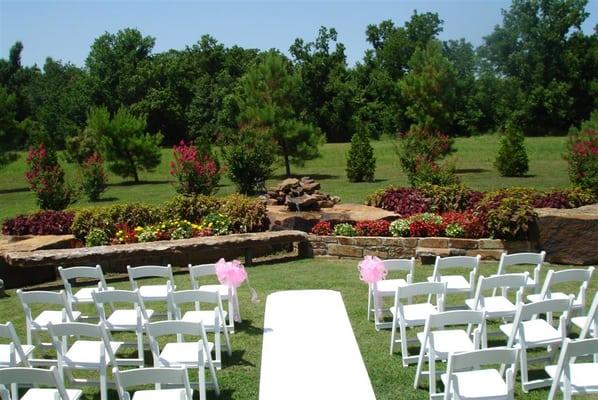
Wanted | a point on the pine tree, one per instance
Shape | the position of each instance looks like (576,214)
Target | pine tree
(512,156)
(361,163)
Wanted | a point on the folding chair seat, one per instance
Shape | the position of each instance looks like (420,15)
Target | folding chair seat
(227,294)
(36,376)
(529,331)
(84,354)
(520,260)
(588,323)
(154,292)
(192,354)
(387,288)
(575,378)
(553,278)
(465,380)
(131,319)
(36,325)
(214,320)
(437,343)
(456,283)
(498,305)
(158,376)
(83,295)
(409,315)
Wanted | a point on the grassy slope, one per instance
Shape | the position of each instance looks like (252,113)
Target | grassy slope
(474,159)
(239,378)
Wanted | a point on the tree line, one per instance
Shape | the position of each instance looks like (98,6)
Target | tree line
(537,70)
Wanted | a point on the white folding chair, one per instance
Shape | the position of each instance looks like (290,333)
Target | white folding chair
(498,306)
(84,354)
(159,376)
(36,376)
(227,294)
(574,378)
(36,325)
(456,283)
(588,323)
(521,259)
(438,343)
(83,295)
(130,319)
(214,320)
(192,354)
(158,293)
(464,379)
(529,331)
(409,315)
(387,288)
(554,278)
(13,354)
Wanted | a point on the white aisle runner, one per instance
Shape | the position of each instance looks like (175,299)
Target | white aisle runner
(309,349)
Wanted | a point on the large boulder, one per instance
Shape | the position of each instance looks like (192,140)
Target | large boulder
(569,236)
(281,218)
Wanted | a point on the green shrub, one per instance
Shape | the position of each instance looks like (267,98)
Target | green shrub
(399,227)
(246,214)
(454,231)
(344,229)
(106,218)
(96,237)
(580,197)
(508,213)
(218,223)
(361,163)
(94,180)
(512,156)
(447,198)
(435,174)
(191,208)
(376,199)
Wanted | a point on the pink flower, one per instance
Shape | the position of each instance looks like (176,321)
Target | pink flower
(372,269)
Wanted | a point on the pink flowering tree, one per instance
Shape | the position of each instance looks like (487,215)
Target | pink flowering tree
(195,172)
(583,159)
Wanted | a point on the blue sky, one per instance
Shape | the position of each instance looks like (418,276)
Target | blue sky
(65,30)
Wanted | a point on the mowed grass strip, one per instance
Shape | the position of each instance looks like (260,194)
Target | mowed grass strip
(239,377)
(474,161)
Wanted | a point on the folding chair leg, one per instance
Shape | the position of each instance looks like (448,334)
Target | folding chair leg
(369,302)
(432,374)
(217,351)
(140,351)
(201,372)
(524,373)
(404,348)
(392,335)
(214,377)
(229,348)
(14,391)
(420,362)
(103,384)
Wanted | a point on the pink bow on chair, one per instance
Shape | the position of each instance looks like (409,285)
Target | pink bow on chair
(233,274)
(371,271)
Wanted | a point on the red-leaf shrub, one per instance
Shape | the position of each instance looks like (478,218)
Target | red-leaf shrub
(567,198)
(372,228)
(424,229)
(405,201)
(196,173)
(582,155)
(94,177)
(322,228)
(473,226)
(40,223)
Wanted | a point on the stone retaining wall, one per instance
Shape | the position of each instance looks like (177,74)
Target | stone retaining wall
(396,247)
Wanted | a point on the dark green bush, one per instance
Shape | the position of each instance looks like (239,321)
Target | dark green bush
(512,156)
(106,218)
(245,213)
(508,213)
(191,208)
(361,163)
(448,198)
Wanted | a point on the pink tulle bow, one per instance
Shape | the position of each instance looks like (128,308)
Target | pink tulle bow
(231,274)
(372,269)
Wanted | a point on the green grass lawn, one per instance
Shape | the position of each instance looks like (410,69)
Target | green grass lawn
(474,158)
(239,378)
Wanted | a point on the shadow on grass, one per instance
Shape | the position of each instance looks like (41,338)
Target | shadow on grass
(15,190)
(471,170)
(247,327)
(133,183)
(105,199)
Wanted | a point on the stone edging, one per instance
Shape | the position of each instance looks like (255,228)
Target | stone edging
(398,247)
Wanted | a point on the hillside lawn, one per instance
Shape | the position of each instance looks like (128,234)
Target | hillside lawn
(474,160)
(239,377)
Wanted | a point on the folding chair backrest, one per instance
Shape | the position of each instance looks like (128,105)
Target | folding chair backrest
(421,289)
(46,298)
(456,317)
(164,328)
(401,265)
(200,270)
(520,259)
(506,281)
(457,262)
(580,347)
(491,356)
(82,272)
(530,310)
(147,376)
(7,331)
(118,296)
(570,275)
(34,376)
(79,329)
(197,297)
(149,271)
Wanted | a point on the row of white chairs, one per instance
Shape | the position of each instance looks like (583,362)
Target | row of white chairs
(85,346)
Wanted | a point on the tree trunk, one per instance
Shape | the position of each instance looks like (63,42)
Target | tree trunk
(135,175)
(287,165)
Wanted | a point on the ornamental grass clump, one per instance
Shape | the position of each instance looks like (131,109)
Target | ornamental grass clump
(195,172)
